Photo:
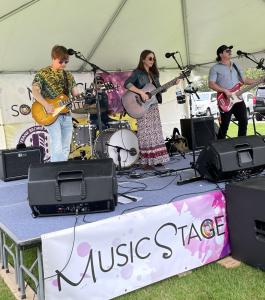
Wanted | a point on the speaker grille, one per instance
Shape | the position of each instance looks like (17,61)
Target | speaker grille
(203,128)
(15,163)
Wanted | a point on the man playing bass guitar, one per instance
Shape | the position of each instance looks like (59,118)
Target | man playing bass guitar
(49,83)
(225,78)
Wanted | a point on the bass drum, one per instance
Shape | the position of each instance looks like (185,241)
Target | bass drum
(123,138)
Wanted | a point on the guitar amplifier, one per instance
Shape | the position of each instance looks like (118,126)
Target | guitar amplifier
(14,163)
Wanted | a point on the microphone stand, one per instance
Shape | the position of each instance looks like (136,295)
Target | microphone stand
(118,149)
(259,64)
(191,91)
(95,68)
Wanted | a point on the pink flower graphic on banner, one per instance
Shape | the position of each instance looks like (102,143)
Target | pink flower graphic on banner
(85,276)
(83,249)
(198,205)
(219,200)
(179,205)
(126,272)
(54,282)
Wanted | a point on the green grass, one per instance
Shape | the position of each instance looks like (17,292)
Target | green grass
(260,128)
(5,293)
(211,282)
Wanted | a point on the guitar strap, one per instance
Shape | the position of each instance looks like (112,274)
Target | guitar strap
(158,96)
(66,85)
(238,73)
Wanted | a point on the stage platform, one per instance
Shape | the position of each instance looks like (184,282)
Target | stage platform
(152,189)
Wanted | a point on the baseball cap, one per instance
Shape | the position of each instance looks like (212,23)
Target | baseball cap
(222,48)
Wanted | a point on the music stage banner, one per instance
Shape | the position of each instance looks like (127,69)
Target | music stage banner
(117,255)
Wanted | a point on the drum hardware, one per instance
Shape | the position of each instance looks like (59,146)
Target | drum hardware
(115,140)
(85,135)
(131,151)
(119,124)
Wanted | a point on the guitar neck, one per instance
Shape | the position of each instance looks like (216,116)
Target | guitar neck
(249,87)
(164,86)
(71,99)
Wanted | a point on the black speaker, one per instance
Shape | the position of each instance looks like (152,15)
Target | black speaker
(72,187)
(203,128)
(14,163)
(245,202)
(228,158)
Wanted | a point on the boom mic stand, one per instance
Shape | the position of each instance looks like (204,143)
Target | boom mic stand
(259,66)
(190,90)
(258,63)
(95,68)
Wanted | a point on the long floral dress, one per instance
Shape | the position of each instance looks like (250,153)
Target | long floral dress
(151,142)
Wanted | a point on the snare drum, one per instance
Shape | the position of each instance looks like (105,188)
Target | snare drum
(122,124)
(84,134)
(124,138)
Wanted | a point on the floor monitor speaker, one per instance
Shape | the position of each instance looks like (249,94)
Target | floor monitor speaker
(72,187)
(228,158)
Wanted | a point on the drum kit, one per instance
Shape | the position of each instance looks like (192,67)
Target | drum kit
(118,141)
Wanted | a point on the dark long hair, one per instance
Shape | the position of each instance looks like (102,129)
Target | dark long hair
(153,69)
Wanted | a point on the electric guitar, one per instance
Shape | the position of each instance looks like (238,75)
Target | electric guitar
(61,104)
(136,107)
(226,103)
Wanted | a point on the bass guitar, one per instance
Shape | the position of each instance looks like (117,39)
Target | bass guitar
(61,104)
(134,104)
(226,103)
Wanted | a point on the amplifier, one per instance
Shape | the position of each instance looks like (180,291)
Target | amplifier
(72,187)
(203,131)
(14,163)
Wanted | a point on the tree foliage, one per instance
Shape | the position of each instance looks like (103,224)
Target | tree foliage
(202,82)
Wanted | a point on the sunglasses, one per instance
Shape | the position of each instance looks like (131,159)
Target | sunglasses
(151,58)
(63,62)
(228,51)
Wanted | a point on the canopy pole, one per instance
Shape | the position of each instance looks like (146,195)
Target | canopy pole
(18,9)
(103,34)
(186,30)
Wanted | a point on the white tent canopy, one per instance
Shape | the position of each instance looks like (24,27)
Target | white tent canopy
(112,33)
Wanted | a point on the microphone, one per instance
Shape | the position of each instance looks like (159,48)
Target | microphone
(71,51)
(260,64)
(239,52)
(132,151)
(169,54)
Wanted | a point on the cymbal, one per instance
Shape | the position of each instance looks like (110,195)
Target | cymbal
(87,108)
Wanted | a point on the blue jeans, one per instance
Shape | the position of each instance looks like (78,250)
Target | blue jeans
(60,133)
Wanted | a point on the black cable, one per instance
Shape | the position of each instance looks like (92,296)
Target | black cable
(193,193)
(71,252)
